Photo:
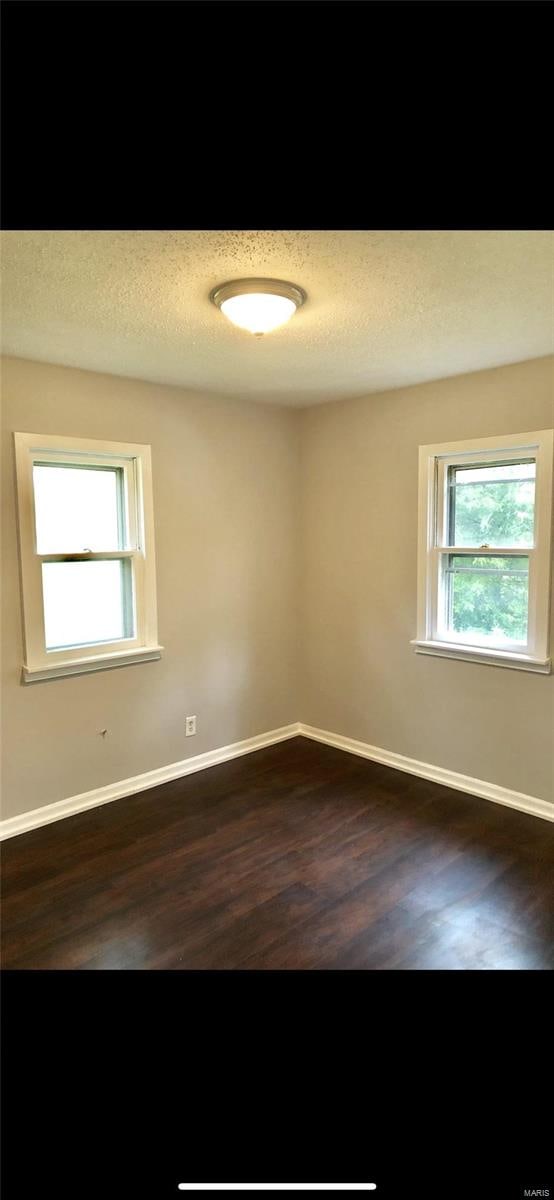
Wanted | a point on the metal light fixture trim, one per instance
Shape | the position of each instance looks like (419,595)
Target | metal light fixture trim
(258,286)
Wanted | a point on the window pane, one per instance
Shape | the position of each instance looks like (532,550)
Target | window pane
(86,602)
(78,508)
(487,598)
(493,504)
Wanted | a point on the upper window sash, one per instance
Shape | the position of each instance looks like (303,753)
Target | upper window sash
(130,529)
(441,499)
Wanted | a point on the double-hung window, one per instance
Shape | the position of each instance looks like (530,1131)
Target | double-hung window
(485,520)
(86,535)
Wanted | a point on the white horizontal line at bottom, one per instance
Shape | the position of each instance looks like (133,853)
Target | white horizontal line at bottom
(277,1187)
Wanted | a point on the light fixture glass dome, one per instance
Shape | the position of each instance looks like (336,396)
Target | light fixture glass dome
(258,305)
(258,312)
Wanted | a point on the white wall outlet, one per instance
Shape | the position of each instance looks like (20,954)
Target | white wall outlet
(190,726)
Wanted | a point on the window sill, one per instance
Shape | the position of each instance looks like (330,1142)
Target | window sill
(493,658)
(81,666)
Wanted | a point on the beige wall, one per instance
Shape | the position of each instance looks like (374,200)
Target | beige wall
(361,677)
(225,498)
(286,566)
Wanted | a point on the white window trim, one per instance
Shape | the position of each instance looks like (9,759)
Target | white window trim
(136,462)
(432,543)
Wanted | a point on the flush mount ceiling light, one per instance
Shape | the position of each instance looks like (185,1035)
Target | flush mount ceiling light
(258,305)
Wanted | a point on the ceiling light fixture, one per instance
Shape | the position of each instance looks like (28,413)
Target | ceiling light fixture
(258,305)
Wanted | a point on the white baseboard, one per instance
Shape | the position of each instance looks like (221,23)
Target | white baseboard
(139,783)
(150,779)
(451,779)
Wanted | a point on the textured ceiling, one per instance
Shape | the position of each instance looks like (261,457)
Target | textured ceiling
(384,309)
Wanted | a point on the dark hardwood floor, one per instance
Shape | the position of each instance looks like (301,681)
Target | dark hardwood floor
(297,856)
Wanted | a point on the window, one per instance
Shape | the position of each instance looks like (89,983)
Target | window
(484,550)
(86,534)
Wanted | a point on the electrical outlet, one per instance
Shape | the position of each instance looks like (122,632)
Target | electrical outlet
(190,726)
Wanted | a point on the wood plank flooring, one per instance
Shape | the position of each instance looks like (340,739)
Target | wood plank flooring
(296,857)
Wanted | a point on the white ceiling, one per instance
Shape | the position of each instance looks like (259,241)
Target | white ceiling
(384,309)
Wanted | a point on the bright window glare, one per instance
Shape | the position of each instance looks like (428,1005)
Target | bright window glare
(524,470)
(76,509)
(83,603)
(258,312)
